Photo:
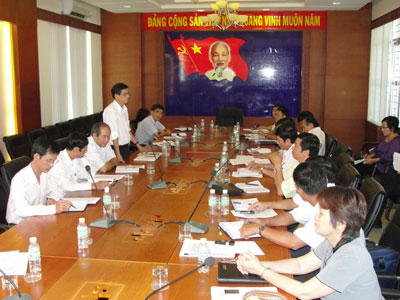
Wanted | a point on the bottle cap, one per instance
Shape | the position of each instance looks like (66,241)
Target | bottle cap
(217,164)
(203,240)
(224,191)
(33,239)
(107,189)
(81,220)
(225,142)
(212,191)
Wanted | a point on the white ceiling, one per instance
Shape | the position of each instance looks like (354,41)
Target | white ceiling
(117,6)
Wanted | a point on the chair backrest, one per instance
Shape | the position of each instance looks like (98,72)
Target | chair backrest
(98,117)
(3,202)
(32,135)
(375,195)
(17,145)
(348,176)
(89,121)
(330,145)
(229,116)
(342,159)
(64,128)
(342,147)
(2,160)
(78,124)
(391,233)
(52,132)
(62,143)
(12,167)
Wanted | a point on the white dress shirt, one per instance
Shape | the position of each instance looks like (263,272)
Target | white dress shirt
(287,158)
(28,196)
(98,156)
(317,131)
(117,118)
(288,187)
(68,175)
(307,233)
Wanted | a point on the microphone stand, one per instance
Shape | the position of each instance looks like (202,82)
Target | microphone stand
(198,227)
(209,261)
(159,184)
(108,221)
(15,297)
(179,158)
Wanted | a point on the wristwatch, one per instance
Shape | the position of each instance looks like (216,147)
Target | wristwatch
(261,229)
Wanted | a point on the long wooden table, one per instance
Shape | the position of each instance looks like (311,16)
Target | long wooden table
(120,262)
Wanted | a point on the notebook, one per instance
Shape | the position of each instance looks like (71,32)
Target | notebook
(229,273)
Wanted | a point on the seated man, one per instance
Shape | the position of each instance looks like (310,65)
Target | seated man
(151,128)
(310,178)
(100,155)
(30,187)
(69,172)
(309,124)
(306,145)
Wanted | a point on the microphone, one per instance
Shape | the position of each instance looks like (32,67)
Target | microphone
(108,221)
(179,158)
(19,296)
(197,227)
(209,261)
(159,184)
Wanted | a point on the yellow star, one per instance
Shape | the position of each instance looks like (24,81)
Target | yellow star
(196,49)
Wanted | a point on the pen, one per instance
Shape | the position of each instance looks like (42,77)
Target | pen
(245,212)
(73,206)
(254,184)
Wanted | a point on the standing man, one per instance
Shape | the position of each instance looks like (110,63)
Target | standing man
(220,57)
(151,128)
(116,116)
(30,187)
(99,154)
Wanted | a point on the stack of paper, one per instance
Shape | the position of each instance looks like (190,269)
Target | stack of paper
(128,169)
(267,213)
(262,161)
(190,248)
(173,138)
(107,177)
(259,150)
(236,293)
(149,157)
(180,134)
(159,144)
(14,262)
(78,205)
(232,229)
(181,128)
(242,160)
(245,172)
(88,200)
(253,187)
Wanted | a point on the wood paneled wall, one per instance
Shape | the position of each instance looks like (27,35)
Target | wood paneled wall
(23,15)
(122,56)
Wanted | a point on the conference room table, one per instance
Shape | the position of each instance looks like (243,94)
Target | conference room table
(119,262)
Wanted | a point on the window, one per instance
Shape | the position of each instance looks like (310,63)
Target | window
(384,79)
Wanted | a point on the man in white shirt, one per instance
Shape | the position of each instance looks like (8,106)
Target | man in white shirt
(309,124)
(69,172)
(116,116)
(99,154)
(30,187)
(151,128)
(310,178)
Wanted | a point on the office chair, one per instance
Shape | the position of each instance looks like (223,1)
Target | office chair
(342,147)
(62,143)
(52,132)
(98,117)
(32,135)
(229,116)
(2,160)
(64,128)
(375,195)
(12,167)
(17,145)
(342,159)
(78,124)
(330,145)
(348,176)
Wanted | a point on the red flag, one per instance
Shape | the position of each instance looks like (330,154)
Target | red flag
(194,55)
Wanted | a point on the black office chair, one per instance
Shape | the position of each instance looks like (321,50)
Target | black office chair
(229,116)
(375,195)
(78,124)
(64,128)
(2,160)
(12,167)
(17,145)
(98,117)
(89,121)
(52,132)
(348,176)
(62,143)
(3,202)
(342,159)
(342,147)
(330,145)
(32,135)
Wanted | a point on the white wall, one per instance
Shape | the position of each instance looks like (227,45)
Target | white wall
(382,7)
(55,6)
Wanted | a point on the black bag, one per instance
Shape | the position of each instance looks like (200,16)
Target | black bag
(386,261)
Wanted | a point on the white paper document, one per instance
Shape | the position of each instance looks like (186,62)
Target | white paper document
(14,262)
(128,169)
(267,213)
(241,160)
(252,187)
(159,144)
(149,157)
(107,177)
(183,129)
(259,150)
(180,134)
(359,161)
(245,172)
(262,161)
(232,229)
(78,205)
(243,204)
(396,161)
(236,293)
(190,248)
(88,200)
(173,138)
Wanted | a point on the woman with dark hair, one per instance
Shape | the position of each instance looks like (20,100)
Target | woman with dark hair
(346,269)
(383,153)
(141,114)
(279,112)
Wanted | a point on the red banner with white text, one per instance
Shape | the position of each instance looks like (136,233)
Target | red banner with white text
(257,20)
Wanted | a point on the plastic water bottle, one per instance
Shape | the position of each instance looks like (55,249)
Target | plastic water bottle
(177,146)
(212,125)
(164,149)
(202,125)
(107,201)
(225,147)
(238,127)
(225,203)
(212,203)
(203,253)
(224,157)
(83,234)
(35,267)
(217,172)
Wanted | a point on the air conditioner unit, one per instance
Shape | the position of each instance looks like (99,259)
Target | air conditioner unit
(75,9)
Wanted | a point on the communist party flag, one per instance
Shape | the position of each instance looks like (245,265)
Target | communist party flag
(194,55)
